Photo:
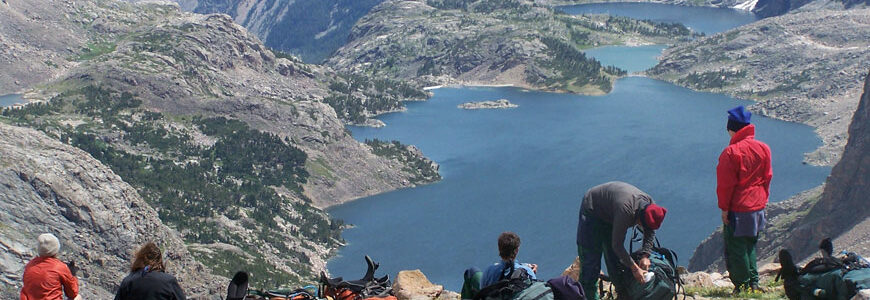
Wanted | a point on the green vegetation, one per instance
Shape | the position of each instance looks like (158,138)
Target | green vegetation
(725,293)
(94,50)
(192,184)
(480,6)
(423,169)
(495,40)
(712,79)
(791,84)
(356,97)
(575,69)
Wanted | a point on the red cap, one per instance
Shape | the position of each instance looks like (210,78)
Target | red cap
(653,216)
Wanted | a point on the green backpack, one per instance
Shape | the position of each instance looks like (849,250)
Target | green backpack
(825,285)
(824,277)
(856,280)
(663,285)
(539,290)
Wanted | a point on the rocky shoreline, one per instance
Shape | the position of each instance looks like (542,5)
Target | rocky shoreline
(497,104)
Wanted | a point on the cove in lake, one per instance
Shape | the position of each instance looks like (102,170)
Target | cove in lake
(11,99)
(708,20)
(631,59)
(525,170)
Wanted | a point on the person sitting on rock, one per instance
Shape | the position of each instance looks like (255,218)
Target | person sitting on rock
(45,276)
(606,213)
(508,248)
(147,278)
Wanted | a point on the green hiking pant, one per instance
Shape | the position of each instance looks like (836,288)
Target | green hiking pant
(740,258)
(594,240)
(471,284)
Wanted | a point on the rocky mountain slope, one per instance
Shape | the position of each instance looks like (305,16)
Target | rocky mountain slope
(838,210)
(490,42)
(761,8)
(771,8)
(311,29)
(794,67)
(235,146)
(738,4)
(48,186)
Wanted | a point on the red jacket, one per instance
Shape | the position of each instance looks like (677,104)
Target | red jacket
(743,174)
(48,278)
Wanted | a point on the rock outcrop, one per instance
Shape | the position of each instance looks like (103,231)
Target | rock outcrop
(497,104)
(804,67)
(48,186)
(413,285)
(837,210)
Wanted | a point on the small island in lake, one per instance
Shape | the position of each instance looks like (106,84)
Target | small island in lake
(500,103)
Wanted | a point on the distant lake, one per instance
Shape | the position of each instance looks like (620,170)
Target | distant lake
(11,99)
(709,20)
(525,169)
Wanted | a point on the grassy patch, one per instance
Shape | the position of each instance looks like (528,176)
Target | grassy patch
(712,79)
(94,50)
(319,168)
(725,293)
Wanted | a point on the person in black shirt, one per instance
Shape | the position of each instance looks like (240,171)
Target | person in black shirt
(147,279)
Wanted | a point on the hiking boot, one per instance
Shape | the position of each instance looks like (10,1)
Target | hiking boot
(736,291)
(756,288)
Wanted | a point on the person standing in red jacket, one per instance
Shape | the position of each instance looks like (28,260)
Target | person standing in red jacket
(743,187)
(46,277)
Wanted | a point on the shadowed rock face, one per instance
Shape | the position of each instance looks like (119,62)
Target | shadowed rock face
(844,201)
(50,187)
(311,29)
(839,210)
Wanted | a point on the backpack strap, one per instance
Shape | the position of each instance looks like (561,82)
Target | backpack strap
(511,266)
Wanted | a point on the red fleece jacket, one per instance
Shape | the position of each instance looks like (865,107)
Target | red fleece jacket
(743,174)
(48,278)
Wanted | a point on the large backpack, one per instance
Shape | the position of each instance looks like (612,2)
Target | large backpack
(366,287)
(507,286)
(538,290)
(665,282)
(823,278)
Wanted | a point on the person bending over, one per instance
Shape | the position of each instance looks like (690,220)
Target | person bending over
(606,213)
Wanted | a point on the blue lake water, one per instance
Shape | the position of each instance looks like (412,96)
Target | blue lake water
(708,20)
(641,57)
(11,99)
(525,170)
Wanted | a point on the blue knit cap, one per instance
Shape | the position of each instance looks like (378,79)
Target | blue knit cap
(738,118)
